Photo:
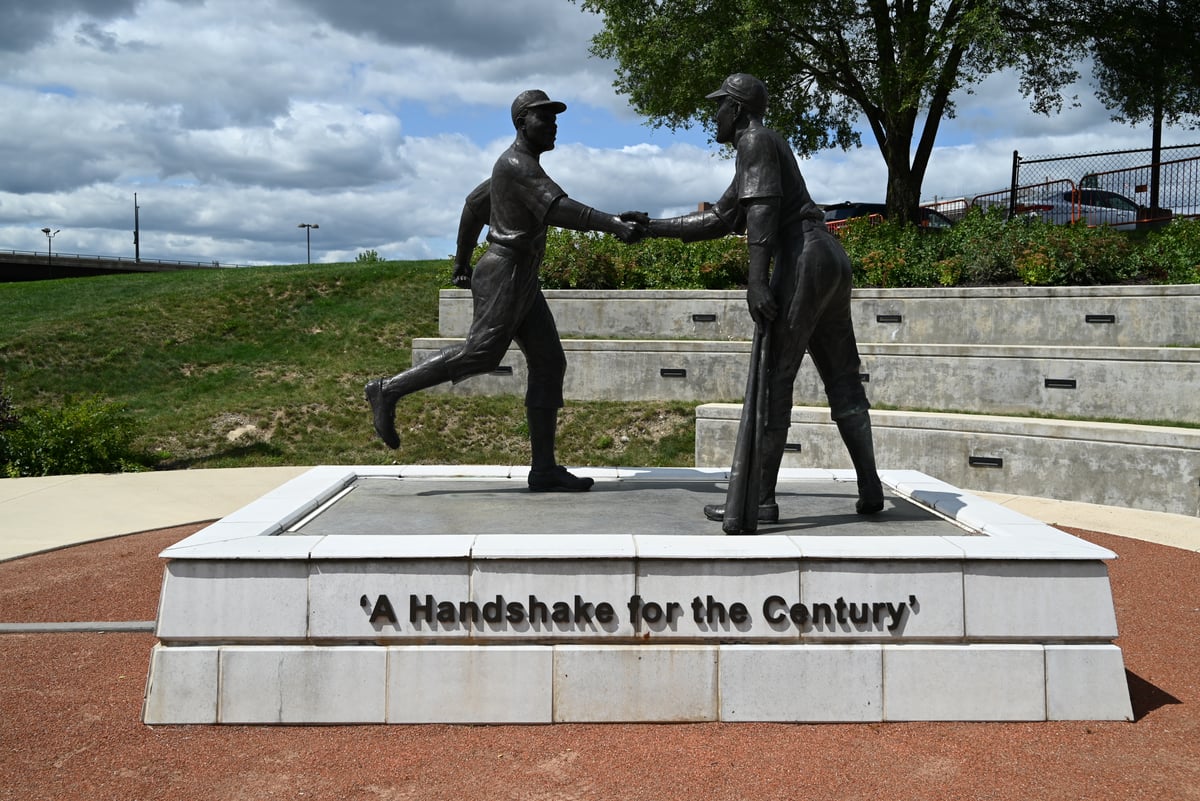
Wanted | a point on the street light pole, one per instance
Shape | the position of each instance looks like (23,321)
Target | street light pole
(49,247)
(308,237)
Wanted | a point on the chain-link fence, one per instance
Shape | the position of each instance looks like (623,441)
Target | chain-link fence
(1114,188)
(1130,174)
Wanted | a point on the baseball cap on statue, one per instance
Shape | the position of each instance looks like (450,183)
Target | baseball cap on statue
(745,89)
(534,98)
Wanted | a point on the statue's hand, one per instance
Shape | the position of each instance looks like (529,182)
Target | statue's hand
(462,276)
(762,306)
(638,217)
(629,232)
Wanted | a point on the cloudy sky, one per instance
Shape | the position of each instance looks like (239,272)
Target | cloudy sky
(236,120)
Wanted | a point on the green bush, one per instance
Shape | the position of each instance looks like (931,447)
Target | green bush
(890,255)
(84,436)
(9,420)
(982,249)
(593,261)
(1172,254)
(986,249)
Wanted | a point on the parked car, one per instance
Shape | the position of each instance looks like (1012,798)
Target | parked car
(837,214)
(1092,207)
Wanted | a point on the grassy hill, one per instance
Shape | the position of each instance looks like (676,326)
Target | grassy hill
(265,366)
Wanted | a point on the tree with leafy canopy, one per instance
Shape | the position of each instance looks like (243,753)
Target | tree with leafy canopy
(895,64)
(1146,63)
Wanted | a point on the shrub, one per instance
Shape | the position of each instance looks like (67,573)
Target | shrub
(982,249)
(888,254)
(576,260)
(950,270)
(368,257)
(9,420)
(1085,256)
(1171,254)
(986,247)
(84,436)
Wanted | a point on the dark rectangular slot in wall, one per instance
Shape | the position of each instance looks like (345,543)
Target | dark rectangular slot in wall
(985,461)
(673,372)
(864,377)
(503,369)
(1099,318)
(704,318)
(889,318)
(1060,383)
(792,446)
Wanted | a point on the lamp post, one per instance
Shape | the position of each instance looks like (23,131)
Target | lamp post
(308,237)
(49,246)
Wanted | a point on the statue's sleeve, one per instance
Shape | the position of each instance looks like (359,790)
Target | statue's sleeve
(479,201)
(539,192)
(758,173)
(730,210)
(476,213)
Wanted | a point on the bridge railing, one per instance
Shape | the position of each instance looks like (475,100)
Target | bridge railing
(37,254)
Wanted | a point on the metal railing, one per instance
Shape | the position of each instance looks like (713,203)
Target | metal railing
(836,226)
(37,254)
(1064,201)
(954,208)
(1023,200)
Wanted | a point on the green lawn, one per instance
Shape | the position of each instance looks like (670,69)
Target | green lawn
(265,366)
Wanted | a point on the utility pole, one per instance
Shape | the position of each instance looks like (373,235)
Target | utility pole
(137,247)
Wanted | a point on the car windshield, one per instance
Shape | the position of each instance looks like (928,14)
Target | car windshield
(934,219)
(1108,200)
(1122,203)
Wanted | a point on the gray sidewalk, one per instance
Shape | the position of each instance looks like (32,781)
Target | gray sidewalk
(41,514)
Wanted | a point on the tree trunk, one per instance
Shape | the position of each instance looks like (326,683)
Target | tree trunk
(903,184)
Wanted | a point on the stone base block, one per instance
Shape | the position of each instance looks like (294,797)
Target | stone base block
(453,595)
(638,684)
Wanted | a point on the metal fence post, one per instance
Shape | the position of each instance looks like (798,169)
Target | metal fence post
(1012,192)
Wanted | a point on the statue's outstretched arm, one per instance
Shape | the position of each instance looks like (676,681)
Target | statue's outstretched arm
(707,224)
(568,213)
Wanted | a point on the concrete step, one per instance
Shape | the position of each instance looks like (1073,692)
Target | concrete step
(1154,468)
(1160,384)
(1105,316)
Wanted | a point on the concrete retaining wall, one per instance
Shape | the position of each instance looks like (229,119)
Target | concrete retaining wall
(1156,468)
(1130,352)
(1129,383)
(1106,316)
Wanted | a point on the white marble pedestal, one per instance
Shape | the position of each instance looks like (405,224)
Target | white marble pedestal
(453,595)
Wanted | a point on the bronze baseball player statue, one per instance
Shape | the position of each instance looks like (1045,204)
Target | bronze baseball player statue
(517,203)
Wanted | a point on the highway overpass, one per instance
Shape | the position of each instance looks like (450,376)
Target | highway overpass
(18,265)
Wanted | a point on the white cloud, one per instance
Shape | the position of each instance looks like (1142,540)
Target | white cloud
(236,121)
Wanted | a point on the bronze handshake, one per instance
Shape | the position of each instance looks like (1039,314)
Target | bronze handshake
(704,224)
(641,223)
